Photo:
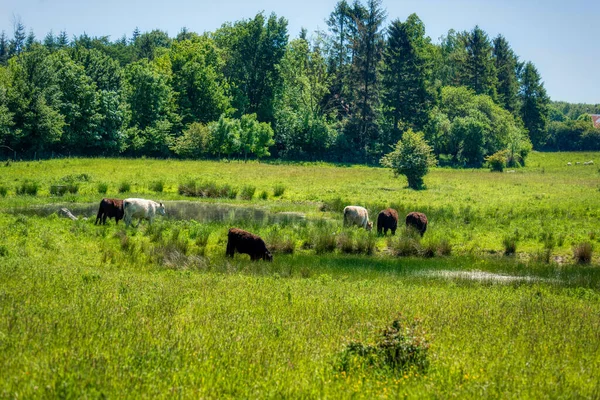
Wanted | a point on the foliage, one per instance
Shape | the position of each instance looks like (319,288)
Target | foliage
(497,161)
(582,252)
(534,105)
(402,346)
(412,157)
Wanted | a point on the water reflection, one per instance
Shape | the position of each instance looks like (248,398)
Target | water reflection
(176,210)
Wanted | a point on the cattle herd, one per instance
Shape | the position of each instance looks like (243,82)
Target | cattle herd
(245,242)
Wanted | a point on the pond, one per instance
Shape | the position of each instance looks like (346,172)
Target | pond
(177,210)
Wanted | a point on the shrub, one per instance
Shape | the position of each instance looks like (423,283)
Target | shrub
(510,244)
(365,243)
(345,243)
(444,248)
(406,244)
(401,346)
(412,156)
(58,190)
(583,253)
(247,192)
(124,187)
(263,195)
(157,186)
(3,190)
(497,161)
(188,188)
(278,190)
(324,242)
(102,187)
(28,188)
(336,205)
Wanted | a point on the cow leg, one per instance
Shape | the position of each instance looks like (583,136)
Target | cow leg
(98,217)
(230,250)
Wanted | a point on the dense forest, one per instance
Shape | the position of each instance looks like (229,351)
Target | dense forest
(249,90)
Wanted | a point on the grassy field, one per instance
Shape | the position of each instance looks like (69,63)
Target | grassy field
(99,311)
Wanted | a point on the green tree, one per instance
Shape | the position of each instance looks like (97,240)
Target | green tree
(412,157)
(194,142)
(301,128)
(363,128)
(253,49)
(149,44)
(17,44)
(33,99)
(534,105)
(225,136)
(78,104)
(199,81)
(506,72)
(478,71)
(4,48)
(405,75)
(151,104)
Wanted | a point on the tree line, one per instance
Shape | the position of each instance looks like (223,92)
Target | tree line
(247,90)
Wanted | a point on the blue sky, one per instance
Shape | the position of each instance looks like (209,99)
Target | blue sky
(562,38)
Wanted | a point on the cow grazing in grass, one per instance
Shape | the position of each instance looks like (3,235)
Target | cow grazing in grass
(247,243)
(387,219)
(141,209)
(356,215)
(110,208)
(418,221)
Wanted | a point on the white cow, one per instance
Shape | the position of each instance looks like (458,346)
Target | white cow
(591,162)
(356,215)
(141,209)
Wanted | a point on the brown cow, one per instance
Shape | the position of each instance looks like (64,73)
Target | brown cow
(110,208)
(418,221)
(387,219)
(247,243)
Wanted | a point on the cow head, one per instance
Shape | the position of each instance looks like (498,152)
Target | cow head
(161,209)
(268,256)
(369,226)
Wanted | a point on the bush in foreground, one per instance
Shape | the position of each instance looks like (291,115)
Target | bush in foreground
(401,346)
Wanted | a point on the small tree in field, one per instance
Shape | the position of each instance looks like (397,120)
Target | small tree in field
(412,157)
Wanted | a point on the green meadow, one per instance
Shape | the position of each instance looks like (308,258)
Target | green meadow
(503,308)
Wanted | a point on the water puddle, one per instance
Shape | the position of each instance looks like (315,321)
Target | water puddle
(481,276)
(176,210)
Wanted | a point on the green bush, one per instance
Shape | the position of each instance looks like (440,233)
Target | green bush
(582,253)
(124,187)
(247,192)
(3,190)
(510,244)
(102,187)
(28,187)
(278,190)
(263,195)
(497,161)
(157,186)
(412,157)
(401,346)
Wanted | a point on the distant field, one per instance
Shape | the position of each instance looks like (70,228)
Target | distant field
(91,311)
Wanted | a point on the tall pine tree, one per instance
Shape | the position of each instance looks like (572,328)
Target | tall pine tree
(534,105)
(406,71)
(478,71)
(506,72)
(368,46)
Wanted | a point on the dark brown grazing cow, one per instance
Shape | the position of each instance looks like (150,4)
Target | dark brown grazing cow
(247,243)
(387,219)
(110,208)
(418,221)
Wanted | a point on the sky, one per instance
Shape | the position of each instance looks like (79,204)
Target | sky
(562,38)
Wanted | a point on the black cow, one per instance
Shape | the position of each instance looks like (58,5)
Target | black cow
(387,219)
(247,243)
(418,221)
